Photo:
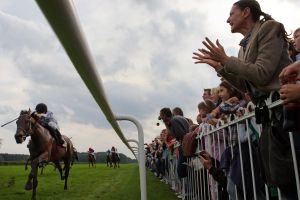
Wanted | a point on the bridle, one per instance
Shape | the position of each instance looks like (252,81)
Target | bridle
(29,131)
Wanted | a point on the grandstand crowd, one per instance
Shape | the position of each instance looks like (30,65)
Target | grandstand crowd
(245,141)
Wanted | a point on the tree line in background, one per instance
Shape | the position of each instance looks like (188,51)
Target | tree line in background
(82,157)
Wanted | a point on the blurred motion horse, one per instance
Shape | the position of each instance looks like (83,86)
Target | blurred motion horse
(92,159)
(42,149)
(114,160)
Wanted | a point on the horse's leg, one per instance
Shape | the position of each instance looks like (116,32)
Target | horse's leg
(28,185)
(34,168)
(58,166)
(67,170)
(27,163)
(43,159)
(42,170)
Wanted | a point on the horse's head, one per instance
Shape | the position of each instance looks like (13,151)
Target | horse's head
(23,126)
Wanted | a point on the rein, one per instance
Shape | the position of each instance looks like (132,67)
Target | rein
(28,132)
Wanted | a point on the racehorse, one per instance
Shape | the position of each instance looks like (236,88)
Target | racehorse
(42,149)
(108,163)
(118,161)
(114,159)
(92,159)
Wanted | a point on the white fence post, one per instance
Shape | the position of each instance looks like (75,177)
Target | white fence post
(141,154)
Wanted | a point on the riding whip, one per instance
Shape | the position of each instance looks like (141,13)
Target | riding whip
(9,122)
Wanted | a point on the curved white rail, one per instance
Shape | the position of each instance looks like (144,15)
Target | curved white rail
(64,21)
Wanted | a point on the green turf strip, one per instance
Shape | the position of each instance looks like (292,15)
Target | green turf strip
(84,183)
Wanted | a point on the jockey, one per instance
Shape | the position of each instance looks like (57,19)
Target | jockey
(91,151)
(108,152)
(46,119)
(113,149)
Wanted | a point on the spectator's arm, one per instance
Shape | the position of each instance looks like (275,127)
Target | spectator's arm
(215,112)
(219,176)
(262,70)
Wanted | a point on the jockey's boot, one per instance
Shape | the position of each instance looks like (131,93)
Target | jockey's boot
(59,137)
(54,134)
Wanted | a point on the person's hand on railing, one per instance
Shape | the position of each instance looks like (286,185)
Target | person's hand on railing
(240,112)
(290,89)
(232,100)
(290,70)
(290,93)
(205,160)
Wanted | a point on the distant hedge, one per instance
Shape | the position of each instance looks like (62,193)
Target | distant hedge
(12,163)
(19,159)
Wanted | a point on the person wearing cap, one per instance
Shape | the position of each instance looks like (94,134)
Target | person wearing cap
(113,149)
(91,151)
(47,120)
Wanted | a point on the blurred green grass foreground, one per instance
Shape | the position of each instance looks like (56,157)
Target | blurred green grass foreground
(100,182)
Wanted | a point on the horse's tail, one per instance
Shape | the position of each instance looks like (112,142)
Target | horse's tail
(71,151)
(76,155)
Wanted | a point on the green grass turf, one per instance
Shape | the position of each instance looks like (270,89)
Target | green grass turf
(84,183)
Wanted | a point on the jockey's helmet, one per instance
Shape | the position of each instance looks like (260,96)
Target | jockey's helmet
(41,108)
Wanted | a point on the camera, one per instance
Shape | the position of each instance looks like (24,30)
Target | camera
(157,124)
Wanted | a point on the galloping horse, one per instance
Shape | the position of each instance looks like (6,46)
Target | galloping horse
(92,159)
(108,163)
(118,160)
(42,149)
(114,159)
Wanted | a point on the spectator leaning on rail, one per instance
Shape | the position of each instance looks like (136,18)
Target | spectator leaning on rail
(296,42)
(178,111)
(290,92)
(262,56)
(177,126)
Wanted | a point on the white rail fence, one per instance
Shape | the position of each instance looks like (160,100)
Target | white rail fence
(63,19)
(199,183)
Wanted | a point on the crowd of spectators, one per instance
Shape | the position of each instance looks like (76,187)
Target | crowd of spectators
(268,61)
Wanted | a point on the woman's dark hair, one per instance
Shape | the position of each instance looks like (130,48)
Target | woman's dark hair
(207,105)
(255,9)
(292,51)
(256,12)
(178,111)
(231,90)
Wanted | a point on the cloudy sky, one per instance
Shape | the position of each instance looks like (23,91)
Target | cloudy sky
(142,49)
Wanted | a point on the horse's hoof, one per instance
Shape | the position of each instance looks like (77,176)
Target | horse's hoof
(28,186)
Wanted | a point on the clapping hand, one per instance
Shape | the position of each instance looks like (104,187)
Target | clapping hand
(214,55)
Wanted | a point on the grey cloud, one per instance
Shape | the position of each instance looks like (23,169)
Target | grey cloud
(19,34)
